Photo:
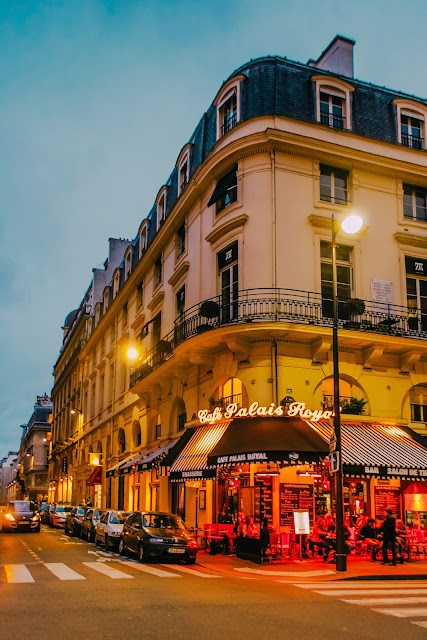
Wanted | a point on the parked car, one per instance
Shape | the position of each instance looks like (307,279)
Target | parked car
(56,517)
(42,509)
(74,519)
(155,535)
(45,518)
(109,528)
(89,523)
(21,515)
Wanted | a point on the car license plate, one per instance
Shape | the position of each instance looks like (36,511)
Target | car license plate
(24,522)
(175,550)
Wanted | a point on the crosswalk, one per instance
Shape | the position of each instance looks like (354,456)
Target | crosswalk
(401,599)
(21,573)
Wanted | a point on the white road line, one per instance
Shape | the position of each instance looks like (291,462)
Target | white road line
(192,572)
(384,584)
(152,570)
(373,592)
(387,601)
(403,613)
(17,573)
(292,574)
(107,570)
(61,571)
(423,623)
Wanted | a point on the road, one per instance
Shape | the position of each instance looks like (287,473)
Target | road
(54,585)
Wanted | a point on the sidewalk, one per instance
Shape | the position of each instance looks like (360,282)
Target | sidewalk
(316,570)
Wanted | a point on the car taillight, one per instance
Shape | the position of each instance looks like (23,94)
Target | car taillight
(192,544)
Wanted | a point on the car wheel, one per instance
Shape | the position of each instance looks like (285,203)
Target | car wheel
(121,547)
(190,561)
(37,529)
(141,554)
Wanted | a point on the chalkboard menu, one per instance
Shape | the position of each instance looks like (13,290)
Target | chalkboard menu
(266,497)
(292,497)
(387,498)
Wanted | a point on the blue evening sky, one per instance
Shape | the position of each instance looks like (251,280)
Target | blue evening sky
(97,99)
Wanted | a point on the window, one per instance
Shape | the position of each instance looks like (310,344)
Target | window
(143,237)
(180,241)
(157,327)
(158,271)
(121,441)
(125,315)
(410,131)
(101,392)
(158,428)
(140,294)
(161,206)
(230,392)
(183,175)
(414,203)
(97,313)
(181,420)
(225,192)
(123,378)
(344,277)
(228,114)
(106,298)
(180,301)
(332,110)
(111,382)
(128,263)
(228,271)
(227,102)
(418,398)
(333,185)
(116,283)
(416,291)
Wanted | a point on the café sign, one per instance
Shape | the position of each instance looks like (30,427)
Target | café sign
(233,410)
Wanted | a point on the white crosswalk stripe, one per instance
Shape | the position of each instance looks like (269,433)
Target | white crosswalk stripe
(107,570)
(17,573)
(61,571)
(193,572)
(152,570)
(396,596)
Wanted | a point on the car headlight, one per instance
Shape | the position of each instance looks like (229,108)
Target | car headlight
(35,517)
(156,540)
(10,517)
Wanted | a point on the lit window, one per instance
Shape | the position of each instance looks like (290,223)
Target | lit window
(333,185)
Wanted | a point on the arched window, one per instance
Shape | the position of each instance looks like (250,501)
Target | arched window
(411,122)
(333,101)
(229,392)
(121,441)
(352,398)
(418,399)
(157,427)
(179,415)
(136,433)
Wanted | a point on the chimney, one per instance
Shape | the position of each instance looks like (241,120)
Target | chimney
(337,57)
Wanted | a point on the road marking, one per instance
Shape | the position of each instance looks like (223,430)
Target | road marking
(293,574)
(107,570)
(61,571)
(373,592)
(152,570)
(403,613)
(17,573)
(358,585)
(387,601)
(192,572)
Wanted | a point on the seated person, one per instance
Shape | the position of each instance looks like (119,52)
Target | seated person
(249,530)
(401,532)
(369,533)
(318,537)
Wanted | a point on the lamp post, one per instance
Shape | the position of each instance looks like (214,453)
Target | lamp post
(351,224)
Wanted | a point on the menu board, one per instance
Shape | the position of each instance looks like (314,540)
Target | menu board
(266,498)
(387,498)
(302,522)
(295,497)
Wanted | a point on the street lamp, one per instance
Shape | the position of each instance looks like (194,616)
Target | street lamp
(351,224)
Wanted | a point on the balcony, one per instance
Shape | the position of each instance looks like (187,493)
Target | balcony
(332,120)
(415,142)
(257,306)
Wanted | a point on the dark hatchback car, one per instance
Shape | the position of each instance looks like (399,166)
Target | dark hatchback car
(21,515)
(89,523)
(157,535)
(74,520)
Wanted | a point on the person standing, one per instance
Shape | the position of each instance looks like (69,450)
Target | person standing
(389,536)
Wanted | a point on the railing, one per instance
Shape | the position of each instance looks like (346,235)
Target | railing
(418,413)
(280,305)
(332,120)
(229,122)
(412,141)
(328,401)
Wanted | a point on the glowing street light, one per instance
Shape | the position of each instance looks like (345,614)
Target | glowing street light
(132,353)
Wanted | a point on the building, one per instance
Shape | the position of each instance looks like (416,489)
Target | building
(31,480)
(8,467)
(225,295)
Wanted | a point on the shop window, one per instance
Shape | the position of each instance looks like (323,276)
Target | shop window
(344,277)
(414,203)
(333,185)
(154,497)
(228,271)
(416,292)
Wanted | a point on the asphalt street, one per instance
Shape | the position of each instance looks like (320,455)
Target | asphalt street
(52,585)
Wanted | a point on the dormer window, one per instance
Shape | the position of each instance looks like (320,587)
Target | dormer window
(227,103)
(183,176)
(128,263)
(143,238)
(333,101)
(106,297)
(411,117)
(116,283)
(97,313)
(183,166)
(161,206)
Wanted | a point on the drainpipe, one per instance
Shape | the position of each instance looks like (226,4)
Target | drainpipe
(275,390)
(274,228)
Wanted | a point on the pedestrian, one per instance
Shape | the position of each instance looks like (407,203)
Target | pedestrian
(389,536)
(88,502)
(83,503)
(264,537)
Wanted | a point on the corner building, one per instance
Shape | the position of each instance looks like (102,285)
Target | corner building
(225,293)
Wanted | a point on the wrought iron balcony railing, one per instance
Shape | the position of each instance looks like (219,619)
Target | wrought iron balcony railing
(414,142)
(280,305)
(332,120)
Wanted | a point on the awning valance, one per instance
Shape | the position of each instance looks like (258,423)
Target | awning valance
(223,185)
(114,470)
(95,477)
(373,449)
(175,451)
(269,439)
(191,463)
(155,457)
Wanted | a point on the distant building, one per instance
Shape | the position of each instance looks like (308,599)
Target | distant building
(8,467)
(31,482)
(226,295)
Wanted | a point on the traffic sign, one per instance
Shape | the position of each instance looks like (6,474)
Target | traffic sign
(334,462)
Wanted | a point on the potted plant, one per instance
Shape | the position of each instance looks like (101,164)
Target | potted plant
(209,309)
(164,347)
(355,406)
(216,403)
(353,308)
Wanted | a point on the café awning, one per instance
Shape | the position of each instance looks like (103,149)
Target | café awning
(191,463)
(153,458)
(373,449)
(114,470)
(95,477)
(269,439)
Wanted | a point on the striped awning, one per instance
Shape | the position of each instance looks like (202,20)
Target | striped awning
(153,458)
(373,449)
(114,470)
(191,463)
